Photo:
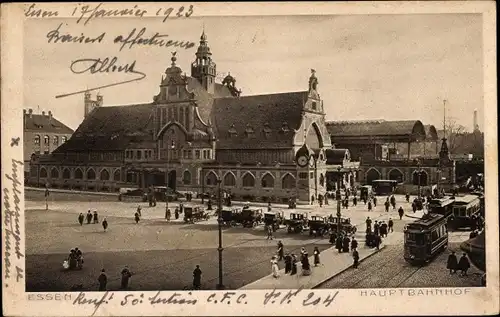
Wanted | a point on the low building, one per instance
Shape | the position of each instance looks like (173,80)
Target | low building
(196,132)
(42,134)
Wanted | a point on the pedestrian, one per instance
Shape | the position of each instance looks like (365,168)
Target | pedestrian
(364,199)
(288,263)
(345,244)
(383,229)
(96,217)
(103,281)
(354,244)
(414,207)
(407,196)
(139,209)
(386,205)
(369,205)
(316,256)
(374,201)
(126,275)
(294,265)
(105,224)
(376,228)
(391,225)
(197,277)
(209,204)
(79,258)
(269,232)
(339,242)
(378,241)
(274,267)
(355,256)
(333,237)
(306,267)
(393,202)
(401,212)
(176,213)
(452,263)
(81,218)
(354,201)
(89,217)
(312,200)
(280,251)
(464,264)
(168,214)
(368,224)
(320,200)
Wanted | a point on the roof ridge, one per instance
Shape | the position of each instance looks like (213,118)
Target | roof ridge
(264,94)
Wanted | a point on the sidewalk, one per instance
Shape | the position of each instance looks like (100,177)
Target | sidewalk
(332,264)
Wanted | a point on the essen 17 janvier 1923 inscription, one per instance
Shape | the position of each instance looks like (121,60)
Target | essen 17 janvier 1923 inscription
(61,34)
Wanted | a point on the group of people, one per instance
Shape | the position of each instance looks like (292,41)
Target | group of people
(74,260)
(291,261)
(455,265)
(126,274)
(92,218)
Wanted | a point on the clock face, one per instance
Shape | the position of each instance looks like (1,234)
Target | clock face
(302,161)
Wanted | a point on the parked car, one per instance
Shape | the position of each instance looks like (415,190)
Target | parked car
(130,192)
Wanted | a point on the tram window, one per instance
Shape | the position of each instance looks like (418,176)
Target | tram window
(435,235)
(419,239)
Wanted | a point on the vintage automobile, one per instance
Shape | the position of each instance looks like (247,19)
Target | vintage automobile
(194,213)
(296,223)
(125,193)
(230,215)
(161,193)
(274,219)
(345,225)
(318,226)
(250,217)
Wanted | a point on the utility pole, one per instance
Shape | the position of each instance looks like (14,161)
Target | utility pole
(220,285)
(338,196)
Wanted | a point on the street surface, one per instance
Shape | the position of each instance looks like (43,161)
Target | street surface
(161,255)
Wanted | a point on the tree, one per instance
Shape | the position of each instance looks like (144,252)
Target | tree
(455,135)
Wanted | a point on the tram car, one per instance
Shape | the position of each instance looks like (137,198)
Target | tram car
(296,223)
(466,210)
(425,238)
(441,206)
(480,195)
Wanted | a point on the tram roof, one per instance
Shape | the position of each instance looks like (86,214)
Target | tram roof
(466,199)
(428,220)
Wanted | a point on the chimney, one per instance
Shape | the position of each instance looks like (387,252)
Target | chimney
(50,115)
(30,112)
(100,100)
(43,113)
(475,127)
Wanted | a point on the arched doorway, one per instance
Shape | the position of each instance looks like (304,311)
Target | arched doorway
(420,178)
(372,175)
(396,175)
(172,179)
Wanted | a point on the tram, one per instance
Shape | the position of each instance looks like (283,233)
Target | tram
(383,187)
(425,238)
(441,206)
(466,209)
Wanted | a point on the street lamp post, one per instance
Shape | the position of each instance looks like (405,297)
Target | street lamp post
(220,285)
(438,180)
(172,146)
(339,198)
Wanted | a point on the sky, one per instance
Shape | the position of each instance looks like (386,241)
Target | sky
(392,67)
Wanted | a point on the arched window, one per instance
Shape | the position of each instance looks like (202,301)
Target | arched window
(211,179)
(267,181)
(288,182)
(419,178)
(117,176)
(37,139)
(396,175)
(322,180)
(78,173)
(54,173)
(46,140)
(66,174)
(104,175)
(248,180)
(372,175)
(229,180)
(91,174)
(55,140)
(43,172)
(186,178)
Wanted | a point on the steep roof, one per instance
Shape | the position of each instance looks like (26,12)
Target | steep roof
(235,118)
(375,128)
(336,156)
(45,123)
(204,100)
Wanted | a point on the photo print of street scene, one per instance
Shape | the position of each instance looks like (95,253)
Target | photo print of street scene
(281,152)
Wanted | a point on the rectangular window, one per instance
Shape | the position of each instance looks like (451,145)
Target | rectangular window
(311,176)
(190,154)
(303,175)
(197,154)
(46,152)
(139,155)
(314,105)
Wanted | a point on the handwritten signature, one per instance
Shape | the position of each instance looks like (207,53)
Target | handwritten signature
(12,222)
(106,65)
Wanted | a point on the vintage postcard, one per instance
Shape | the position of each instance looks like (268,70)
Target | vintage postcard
(229,159)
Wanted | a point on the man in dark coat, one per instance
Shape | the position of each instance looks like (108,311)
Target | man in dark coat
(81,218)
(452,263)
(126,275)
(103,281)
(407,196)
(105,224)
(354,244)
(345,244)
(390,227)
(355,256)
(288,263)
(355,201)
(370,205)
(209,204)
(280,251)
(376,228)
(378,241)
(374,201)
(136,216)
(387,204)
(338,243)
(383,229)
(197,277)
(401,211)
(464,264)
(96,217)
(294,265)
(89,217)
(368,224)
(393,202)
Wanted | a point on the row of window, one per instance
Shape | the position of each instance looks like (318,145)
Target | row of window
(187,154)
(138,154)
(90,175)
(248,180)
(46,139)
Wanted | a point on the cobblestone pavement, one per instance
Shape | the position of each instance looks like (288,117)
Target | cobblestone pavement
(388,269)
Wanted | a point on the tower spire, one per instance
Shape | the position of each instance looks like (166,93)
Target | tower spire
(444,154)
